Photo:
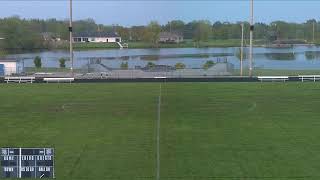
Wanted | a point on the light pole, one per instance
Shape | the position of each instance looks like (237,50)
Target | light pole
(241,53)
(251,40)
(2,38)
(71,39)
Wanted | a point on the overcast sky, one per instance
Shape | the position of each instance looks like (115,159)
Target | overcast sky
(141,12)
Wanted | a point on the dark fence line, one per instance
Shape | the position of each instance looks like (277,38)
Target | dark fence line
(218,79)
(146,80)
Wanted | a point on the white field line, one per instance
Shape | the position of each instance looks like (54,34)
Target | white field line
(158,134)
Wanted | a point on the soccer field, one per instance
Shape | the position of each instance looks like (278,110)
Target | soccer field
(208,130)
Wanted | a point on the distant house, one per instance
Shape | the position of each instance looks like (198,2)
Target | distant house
(170,37)
(49,36)
(97,37)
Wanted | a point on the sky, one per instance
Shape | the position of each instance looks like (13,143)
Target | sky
(131,12)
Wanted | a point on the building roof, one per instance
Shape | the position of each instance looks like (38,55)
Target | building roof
(96,34)
(169,35)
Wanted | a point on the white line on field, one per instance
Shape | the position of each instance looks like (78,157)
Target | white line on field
(158,134)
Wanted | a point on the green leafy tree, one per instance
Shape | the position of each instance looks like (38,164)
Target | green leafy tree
(37,62)
(208,64)
(2,53)
(124,65)
(203,31)
(189,29)
(175,26)
(180,66)
(87,25)
(27,34)
(124,33)
(151,65)
(221,30)
(137,33)
(19,35)
(62,62)
(152,32)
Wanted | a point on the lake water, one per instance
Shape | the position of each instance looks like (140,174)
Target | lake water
(268,58)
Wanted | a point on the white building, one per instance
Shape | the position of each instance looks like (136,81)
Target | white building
(8,67)
(97,37)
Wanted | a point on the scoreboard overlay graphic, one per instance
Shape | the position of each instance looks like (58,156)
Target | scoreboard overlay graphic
(27,163)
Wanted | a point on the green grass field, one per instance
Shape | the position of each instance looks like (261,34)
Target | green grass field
(208,130)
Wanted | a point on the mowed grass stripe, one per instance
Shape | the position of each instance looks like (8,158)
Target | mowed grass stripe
(208,130)
(106,132)
(234,130)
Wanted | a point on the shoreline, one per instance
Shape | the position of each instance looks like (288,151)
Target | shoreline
(82,47)
(147,47)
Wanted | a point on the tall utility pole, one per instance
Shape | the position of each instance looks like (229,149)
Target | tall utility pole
(71,39)
(251,40)
(241,53)
(1,39)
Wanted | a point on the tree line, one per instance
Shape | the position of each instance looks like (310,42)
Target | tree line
(25,34)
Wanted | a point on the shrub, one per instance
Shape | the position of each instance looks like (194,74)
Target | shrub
(124,65)
(37,62)
(180,66)
(62,62)
(151,65)
(208,64)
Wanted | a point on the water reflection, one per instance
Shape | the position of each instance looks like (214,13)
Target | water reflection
(293,58)
(312,55)
(280,56)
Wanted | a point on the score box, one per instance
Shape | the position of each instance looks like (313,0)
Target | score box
(27,163)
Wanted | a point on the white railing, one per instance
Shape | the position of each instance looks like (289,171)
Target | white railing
(58,80)
(313,78)
(121,47)
(273,78)
(22,79)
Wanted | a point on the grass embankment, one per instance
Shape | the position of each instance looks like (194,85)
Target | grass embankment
(45,69)
(208,130)
(85,46)
(145,45)
(236,72)
(188,44)
(174,56)
(32,70)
